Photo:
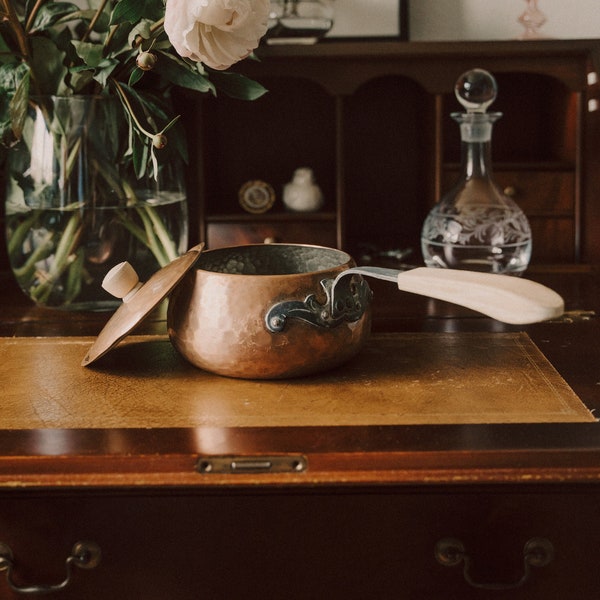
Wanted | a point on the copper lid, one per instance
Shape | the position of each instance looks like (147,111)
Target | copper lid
(138,300)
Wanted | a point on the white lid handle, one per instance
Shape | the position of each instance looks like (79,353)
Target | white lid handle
(122,281)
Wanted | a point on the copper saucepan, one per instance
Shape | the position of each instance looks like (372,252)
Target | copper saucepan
(270,311)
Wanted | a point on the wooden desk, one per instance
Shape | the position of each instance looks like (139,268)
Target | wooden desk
(343,511)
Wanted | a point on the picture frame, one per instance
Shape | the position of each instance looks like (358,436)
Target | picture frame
(369,19)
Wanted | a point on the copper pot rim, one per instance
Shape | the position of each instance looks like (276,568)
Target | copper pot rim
(345,261)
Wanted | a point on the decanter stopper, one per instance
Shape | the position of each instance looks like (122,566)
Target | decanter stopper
(476,90)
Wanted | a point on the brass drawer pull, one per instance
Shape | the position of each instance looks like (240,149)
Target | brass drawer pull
(293,463)
(85,555)
(538,552)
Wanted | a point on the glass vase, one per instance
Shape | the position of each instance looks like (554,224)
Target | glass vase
(75,206)
(475,226)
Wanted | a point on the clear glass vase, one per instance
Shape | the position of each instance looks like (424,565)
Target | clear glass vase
(475,226)
(75,207)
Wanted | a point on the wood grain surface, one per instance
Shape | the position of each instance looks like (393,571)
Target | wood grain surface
(398,379)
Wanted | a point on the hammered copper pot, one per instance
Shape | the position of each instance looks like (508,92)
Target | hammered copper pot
(270,311)
(264,311)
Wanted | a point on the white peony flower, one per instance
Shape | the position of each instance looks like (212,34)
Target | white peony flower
(217,33)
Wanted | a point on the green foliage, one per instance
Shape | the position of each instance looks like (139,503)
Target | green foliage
(132,11)
(237,85)
(50,14)
(59,48)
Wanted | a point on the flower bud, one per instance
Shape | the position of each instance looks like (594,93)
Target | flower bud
(146,61)
(159,140)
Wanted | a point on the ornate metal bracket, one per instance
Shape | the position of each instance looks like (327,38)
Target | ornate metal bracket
(538,552)
(85,555)
(346,300)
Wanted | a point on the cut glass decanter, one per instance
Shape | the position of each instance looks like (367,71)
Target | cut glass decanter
(475,225)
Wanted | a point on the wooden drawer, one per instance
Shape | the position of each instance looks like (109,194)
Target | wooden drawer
(336,543)
(553,239)
(222,234)
(539,193)
(548,193)
(548,200)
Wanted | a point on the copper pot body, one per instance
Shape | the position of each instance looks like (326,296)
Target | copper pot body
(217,313)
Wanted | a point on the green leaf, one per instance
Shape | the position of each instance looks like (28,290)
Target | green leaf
(10,76)
(91,54)
(118,40)
(80,78)
(47,64)
(135,76)
(51,12)
(4,49)
(141,155)
(14,93)
(134,10)
(18,107)
(154,117)
(101,25)
(237,86)
(143,29)
(104,71)
(179,73)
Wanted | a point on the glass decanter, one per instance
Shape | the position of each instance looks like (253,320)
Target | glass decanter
(475,225)
(299,21)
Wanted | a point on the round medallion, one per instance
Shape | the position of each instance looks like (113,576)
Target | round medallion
(256,197)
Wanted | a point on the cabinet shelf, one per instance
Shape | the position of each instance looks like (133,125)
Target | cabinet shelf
(524,166)
(372,119)
(271,217)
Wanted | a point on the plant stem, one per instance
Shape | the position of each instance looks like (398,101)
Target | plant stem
(63,257)
(74,276)
(153,243)
(16,27)
(134,229)
(25,273)
(42,292)
(94,20)
(67,243)
(163,235)
(155,28)
(17,237)
(129,109)
(33,13)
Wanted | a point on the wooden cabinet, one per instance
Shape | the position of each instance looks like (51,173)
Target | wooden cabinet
(364,519)
(372,120)
(361,519)
(339,543)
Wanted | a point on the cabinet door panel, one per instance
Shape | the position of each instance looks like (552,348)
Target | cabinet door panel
(328,544)
(550,193)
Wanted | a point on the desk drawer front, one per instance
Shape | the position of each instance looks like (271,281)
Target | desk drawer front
(302,545)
